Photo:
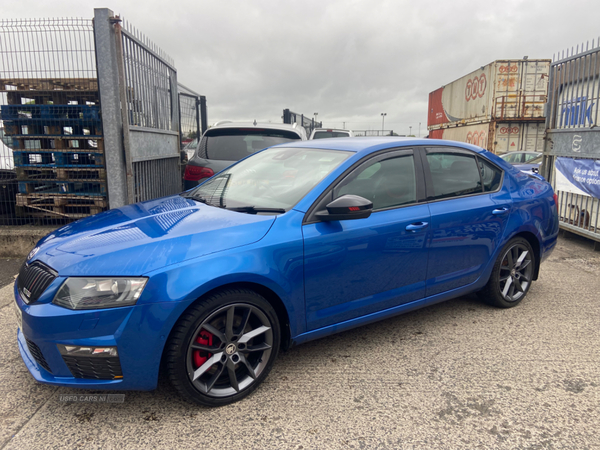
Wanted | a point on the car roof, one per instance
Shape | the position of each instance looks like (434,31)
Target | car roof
(372,144)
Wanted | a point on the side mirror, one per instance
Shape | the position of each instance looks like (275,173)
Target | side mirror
(346,207)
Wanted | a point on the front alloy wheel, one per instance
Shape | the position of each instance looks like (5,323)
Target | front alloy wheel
(223,347)
(230,350)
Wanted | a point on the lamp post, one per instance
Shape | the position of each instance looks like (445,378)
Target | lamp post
(316,114)
(410,130)
(382,121)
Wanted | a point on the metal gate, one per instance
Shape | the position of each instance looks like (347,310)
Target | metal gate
(192,117)
(573,135)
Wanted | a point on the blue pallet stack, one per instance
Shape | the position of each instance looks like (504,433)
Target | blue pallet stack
(58,149)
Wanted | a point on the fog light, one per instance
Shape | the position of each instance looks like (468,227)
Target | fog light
(74,350)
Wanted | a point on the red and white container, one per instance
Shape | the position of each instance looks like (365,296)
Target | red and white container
(499,106)
(509,89)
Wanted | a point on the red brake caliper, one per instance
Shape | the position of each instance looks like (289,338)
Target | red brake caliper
(200,357)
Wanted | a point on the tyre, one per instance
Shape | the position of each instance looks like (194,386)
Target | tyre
(511,276)
(222,348)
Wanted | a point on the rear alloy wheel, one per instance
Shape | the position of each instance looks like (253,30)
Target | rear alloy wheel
(511,276)
(223,348)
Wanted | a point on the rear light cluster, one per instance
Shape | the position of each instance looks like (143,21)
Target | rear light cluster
(196,173)
(556,201)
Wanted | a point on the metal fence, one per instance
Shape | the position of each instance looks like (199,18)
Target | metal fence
(362,133)
(571,132)
(309,124)
(52,155)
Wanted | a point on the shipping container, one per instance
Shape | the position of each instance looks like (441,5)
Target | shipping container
(497,137)
(502,90)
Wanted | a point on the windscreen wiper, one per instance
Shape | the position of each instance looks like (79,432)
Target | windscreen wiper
(198,198)
(254,209)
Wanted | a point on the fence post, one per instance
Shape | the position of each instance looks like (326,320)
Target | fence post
(204,119)
(112,122)
(124,110)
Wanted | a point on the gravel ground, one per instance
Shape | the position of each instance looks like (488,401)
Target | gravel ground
(458,375)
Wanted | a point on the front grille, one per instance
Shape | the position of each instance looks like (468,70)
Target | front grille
(99,368)
(37,354)
(33,280)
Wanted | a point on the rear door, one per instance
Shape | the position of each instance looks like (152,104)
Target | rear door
(470,205)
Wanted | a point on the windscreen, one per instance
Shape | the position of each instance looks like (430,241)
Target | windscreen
(233,144)
(274,178)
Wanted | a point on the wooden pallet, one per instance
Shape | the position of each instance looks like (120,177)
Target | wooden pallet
(59,206)
(64,97)
(60,173)
(54,129)
(54,144)
(61,200)
(58,187)
(50,114)
(54,158)
(49,84)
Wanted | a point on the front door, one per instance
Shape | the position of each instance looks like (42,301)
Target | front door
(358,267)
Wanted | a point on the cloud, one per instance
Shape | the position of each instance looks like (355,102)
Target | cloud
(347,60)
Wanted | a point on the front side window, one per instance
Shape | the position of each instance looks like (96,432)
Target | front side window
(388,183)
(274,178)
(453,175)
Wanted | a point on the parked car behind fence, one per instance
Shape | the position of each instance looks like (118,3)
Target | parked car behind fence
(226,142)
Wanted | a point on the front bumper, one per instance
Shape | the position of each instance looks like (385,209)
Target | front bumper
(137,332)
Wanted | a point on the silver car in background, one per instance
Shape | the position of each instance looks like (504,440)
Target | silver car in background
(227,142)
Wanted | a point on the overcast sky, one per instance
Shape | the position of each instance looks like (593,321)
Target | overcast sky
(348,60)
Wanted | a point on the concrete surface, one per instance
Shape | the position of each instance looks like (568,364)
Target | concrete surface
(9,267)
(459,375)
(17,241)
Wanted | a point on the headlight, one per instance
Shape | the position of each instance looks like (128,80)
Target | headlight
(99,293)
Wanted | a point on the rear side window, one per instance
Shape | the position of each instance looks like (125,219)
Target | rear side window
(234,144)
(453,175)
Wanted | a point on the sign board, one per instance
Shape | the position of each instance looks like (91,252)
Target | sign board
(578,176)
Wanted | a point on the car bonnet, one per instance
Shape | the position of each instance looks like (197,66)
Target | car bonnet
(140,238)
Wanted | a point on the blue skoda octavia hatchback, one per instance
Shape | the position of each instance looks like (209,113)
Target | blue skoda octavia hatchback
(296,242)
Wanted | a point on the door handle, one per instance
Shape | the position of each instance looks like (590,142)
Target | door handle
(416,226)
(499,211)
